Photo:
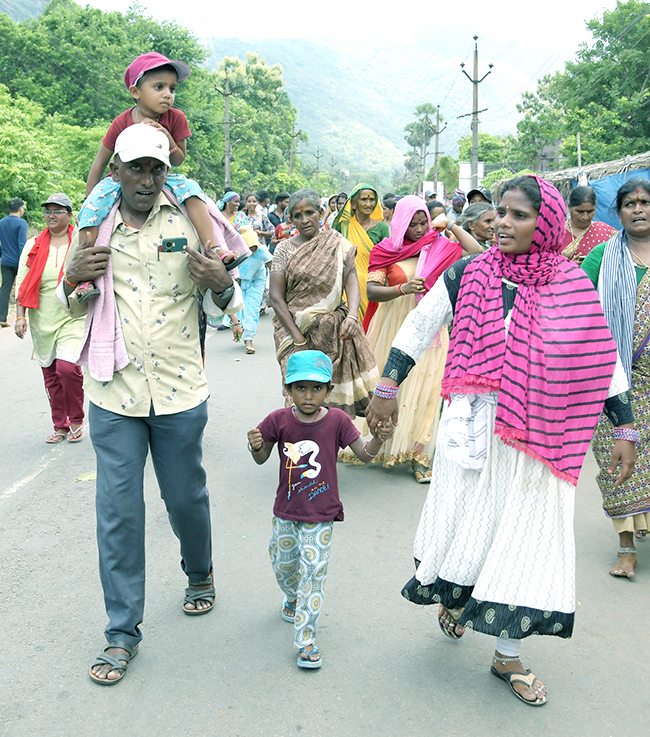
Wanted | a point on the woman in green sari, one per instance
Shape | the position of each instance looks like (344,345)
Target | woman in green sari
(619,270)
(360,220)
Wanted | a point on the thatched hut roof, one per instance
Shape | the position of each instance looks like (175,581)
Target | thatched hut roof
(562,178)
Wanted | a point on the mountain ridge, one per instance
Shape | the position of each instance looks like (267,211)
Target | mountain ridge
(356,110)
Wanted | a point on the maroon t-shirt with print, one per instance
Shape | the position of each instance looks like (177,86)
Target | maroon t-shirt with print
(173,120)
(308,490)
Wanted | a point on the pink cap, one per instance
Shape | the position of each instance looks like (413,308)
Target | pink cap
(147,62)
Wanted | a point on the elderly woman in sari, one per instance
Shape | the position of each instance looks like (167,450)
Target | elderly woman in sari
(582,233)
(495,544)
(360,220)
(619,270)
(309,274)
(478,221)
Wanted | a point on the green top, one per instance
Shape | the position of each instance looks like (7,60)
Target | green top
(594,259)
(55,335)
(378,232)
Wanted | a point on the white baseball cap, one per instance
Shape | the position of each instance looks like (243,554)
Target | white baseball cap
(141,141)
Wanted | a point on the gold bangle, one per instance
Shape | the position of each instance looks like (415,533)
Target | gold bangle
(304,342)
(21,318)
(68,282)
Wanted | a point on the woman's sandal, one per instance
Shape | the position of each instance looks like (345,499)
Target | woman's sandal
(287,617)
(57,436)
(192,596)
(527,678)
(115,661)
(306,662)
(74,436)
(422,474)
(249,348)
(444,626)
(619,572)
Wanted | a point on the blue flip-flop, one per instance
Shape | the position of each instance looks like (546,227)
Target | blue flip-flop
(288,618)
(306,662)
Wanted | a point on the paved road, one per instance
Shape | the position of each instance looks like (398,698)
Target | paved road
(387,668)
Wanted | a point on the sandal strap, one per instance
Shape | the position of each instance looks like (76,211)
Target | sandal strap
(192,595)
(527,678)
(313,651)
(115,661)
(627,551)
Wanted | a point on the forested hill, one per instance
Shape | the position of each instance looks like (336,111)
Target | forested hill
(354,100)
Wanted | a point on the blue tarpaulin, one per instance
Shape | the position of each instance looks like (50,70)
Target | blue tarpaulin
(606,189)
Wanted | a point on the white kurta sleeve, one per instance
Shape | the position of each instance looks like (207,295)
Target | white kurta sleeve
(421,324)
(619,379)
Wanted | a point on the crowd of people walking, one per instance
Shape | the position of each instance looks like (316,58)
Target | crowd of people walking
(483,344)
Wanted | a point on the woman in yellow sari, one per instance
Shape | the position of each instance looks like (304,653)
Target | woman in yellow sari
(360,220)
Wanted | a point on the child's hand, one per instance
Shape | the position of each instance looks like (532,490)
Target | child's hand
(255,439)
(154,124)
(384,431)
(227,256)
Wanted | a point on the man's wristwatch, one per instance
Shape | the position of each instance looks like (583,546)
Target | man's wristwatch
(227,293)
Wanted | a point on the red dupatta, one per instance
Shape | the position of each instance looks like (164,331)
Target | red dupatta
(436,253)
(36,260)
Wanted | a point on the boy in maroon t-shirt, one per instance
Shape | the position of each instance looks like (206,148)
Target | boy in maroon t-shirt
(307,503)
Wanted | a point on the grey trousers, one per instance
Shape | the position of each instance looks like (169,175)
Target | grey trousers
(121,445)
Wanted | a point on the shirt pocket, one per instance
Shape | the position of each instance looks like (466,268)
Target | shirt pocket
(170,276)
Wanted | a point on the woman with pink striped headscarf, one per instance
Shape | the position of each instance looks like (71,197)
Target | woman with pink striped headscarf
(530,366)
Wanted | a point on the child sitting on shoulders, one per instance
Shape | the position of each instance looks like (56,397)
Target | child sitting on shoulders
(151,80)
(307,503)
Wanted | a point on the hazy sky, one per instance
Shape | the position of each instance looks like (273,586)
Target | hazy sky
(558,25)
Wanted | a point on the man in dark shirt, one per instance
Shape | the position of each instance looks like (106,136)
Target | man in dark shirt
(13,235)
(281,201)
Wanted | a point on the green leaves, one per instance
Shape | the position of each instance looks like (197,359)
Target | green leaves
(64,77)
(41,154)
(604,94)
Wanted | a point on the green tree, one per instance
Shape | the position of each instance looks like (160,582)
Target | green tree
(491,149)
(71,62)
(419,133)
(447,173)
(41,154)
(262,120)
(604,94)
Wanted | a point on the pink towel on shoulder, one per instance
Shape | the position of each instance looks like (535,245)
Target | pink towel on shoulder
(103,348)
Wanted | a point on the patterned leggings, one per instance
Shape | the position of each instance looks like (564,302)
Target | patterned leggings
(299,555)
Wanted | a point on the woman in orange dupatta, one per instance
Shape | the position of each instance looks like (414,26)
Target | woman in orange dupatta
(56,337)
(309,273)
(360,220)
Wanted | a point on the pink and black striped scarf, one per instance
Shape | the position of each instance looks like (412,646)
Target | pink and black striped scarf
(554,368)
